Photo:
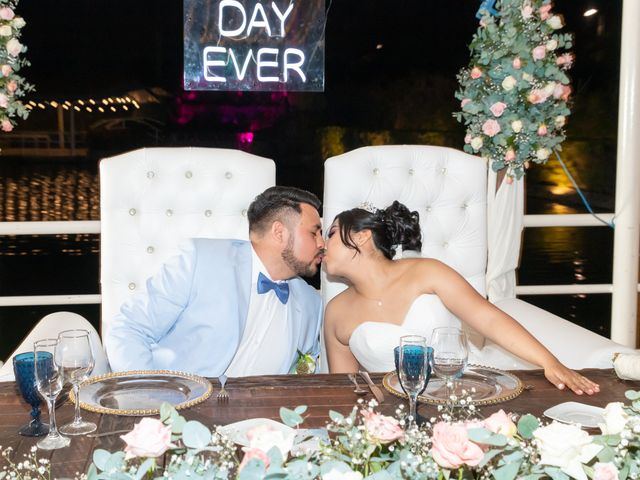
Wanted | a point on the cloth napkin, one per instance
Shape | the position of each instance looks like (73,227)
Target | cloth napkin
(627,365)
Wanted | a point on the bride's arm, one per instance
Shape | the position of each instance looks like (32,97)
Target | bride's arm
(339,355)
(468,305)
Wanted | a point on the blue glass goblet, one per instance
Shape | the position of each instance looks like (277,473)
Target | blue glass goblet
(24,370)
(429,352)
(414,369)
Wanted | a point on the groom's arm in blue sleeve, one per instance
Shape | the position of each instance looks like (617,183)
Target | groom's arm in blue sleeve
(147,317)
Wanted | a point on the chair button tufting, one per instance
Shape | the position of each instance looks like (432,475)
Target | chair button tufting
(445,244)
(228,175)
(443,171)
(132,211)
(150,174)
(464,206)
(132,286)
(428,209)
(188,174)
(411,171)
(150,249)
(169,212)
(207,213)
(376,171)
(244,212)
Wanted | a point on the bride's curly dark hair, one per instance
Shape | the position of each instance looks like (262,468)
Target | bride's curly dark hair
(391,227)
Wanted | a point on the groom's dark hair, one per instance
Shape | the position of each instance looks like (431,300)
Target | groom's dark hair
(275,203)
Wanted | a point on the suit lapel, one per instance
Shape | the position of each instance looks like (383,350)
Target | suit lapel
(243,282)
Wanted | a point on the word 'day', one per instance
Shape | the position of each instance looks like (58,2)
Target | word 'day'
(254,45)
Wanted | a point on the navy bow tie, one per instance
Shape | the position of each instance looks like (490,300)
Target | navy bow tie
(281,289)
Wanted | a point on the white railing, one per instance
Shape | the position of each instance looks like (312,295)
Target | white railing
(93,227)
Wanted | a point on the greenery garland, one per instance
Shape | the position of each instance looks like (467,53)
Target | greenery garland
(514,93)
(12,85)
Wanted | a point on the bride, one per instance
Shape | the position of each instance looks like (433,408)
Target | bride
(382,293)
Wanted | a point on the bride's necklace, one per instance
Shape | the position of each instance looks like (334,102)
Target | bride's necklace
(378,301)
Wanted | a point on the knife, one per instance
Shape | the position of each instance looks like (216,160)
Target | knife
(377,392)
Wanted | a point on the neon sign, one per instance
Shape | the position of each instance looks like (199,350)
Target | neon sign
(254,45)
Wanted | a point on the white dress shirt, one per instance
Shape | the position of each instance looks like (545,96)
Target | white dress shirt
(264,344)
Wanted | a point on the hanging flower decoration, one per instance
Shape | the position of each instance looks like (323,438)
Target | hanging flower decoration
(514,93)
(12,85)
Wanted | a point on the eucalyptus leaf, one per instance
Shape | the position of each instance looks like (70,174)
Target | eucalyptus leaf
(147,466)
(527,425)
(195,435)
(100,458)
(290,417)
(300,409)
(253,470)
(556,474)
(507,472)
(632,394)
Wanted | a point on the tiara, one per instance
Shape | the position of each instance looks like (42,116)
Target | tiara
(368,206)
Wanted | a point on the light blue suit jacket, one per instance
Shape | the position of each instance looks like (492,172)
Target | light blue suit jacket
(194,311)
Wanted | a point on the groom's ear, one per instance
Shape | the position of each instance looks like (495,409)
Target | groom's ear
(280,232)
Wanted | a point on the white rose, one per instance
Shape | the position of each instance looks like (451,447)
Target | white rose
(549,88)
(551,44)
(264,437)
(18,22)
(560,121)
(615,419)
(527,76)
(14,47)
(335,474)
(5,31)
(543,153)
(565,446)
(555,22)
(516,126)
(476,143)
(509,82)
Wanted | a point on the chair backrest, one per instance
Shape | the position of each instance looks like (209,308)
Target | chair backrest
(447,187)
(154,198)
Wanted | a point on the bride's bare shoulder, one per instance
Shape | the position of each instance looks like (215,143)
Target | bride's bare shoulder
(339,303)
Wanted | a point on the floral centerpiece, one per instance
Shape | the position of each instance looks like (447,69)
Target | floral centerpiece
(368,445)
(514,93)
(12,85)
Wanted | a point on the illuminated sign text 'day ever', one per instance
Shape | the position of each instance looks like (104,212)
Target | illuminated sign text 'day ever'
(254,45)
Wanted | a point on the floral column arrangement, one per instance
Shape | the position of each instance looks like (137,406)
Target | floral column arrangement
(12,85)
(514,93)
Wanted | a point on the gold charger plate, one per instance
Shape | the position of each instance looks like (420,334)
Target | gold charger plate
(489,385)
(141,392)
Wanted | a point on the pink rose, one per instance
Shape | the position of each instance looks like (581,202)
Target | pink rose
(566,91)
(251,454)
(542,130)
(6,13)
(491,127)
(537,96)
(467,138)
(6,125)
(12,86)
(498,108)
(464,102)
(509,180)
(605,471)
(544,11)
(6,70)
(565,59)
(539,52)
(381,428)
(476,73)
(517,63)
(149,438)
(527,164)
(4,101)
(451,447)
(500,422)
(527,11)
(508,157)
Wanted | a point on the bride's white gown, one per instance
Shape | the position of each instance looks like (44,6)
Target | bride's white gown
(372,343)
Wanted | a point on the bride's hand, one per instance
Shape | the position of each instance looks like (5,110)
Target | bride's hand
(563,377)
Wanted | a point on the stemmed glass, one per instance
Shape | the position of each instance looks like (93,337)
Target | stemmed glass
(75,359)
(49,383)
(450,355)
(414,369)
(23,368)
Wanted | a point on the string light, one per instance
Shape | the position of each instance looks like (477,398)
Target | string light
(80,105)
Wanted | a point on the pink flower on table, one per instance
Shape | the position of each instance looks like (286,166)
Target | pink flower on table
(4,101)
(12,86)
(510,156)
(566,59)
(491,127)
(467,138)
(537,96)
(566,91)
(542,130)
(527,12)
(544,11)
(381,428)
(539,52)
(14,47)
(251,454)
(451,447)
(6,70)
(6,13)
(149,438)
(500,422)
(517,63)
(464,102)
(498,108)
(476,73)
(605,471)
(6,125)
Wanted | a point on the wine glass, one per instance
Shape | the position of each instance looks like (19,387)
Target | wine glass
(450,355)
(75,359)
(49,383)
(414,369)
(23,368)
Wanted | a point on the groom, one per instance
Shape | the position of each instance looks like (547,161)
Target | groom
(230,306)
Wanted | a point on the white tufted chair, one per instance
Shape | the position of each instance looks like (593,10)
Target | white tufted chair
(449,190)
(152,199)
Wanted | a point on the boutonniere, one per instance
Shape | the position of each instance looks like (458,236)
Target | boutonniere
(304,364)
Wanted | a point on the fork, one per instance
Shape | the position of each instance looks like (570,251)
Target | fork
(222,394)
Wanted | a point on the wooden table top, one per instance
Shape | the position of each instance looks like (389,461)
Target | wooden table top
(256,397)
